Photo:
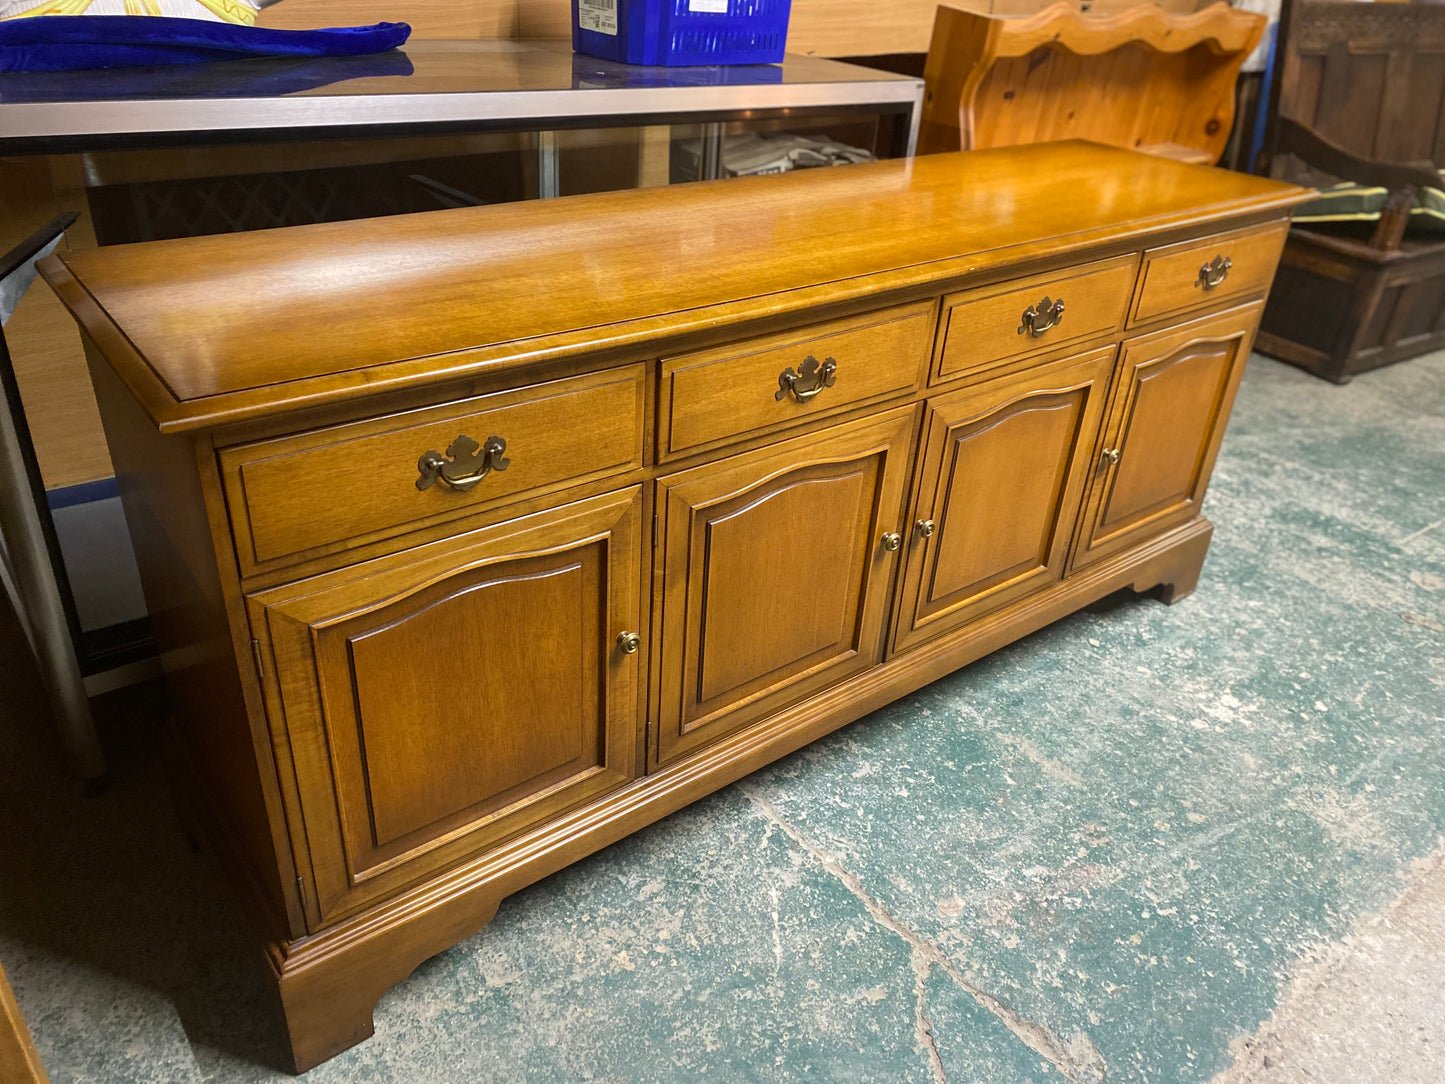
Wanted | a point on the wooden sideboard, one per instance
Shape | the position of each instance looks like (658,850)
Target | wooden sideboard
(476,540)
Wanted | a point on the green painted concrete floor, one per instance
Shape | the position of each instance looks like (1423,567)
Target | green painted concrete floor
(1146,844)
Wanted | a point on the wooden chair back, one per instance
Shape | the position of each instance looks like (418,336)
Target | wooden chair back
(1140,78)
(1369,78)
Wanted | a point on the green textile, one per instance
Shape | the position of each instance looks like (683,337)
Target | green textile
(1349,202)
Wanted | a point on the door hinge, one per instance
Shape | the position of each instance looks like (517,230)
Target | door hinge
(301,889)
(656,526)
(256,657)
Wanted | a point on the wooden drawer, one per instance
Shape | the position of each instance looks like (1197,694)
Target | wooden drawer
(714,396)
(1176,278)
(990,324)
(343,486)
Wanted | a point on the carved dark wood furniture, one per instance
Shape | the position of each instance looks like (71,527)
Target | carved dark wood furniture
(1359,96)
(476,540)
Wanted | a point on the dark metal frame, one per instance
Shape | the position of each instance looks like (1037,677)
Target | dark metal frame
(42,584)
(11,262)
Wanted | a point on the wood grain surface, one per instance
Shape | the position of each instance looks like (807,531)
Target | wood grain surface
(207,330)
(984,326)
(713,395)
(19,1062)
(1139,78)
(556,434)
(420,702)
(817,27)
(1001,471)
(1172,394)
(1171,279)
(44,345)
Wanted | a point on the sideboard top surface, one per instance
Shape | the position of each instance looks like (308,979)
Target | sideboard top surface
(211,330)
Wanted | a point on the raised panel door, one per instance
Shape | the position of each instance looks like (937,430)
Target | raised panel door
(1166,421)
(775,575)
(1001,477)
(442,699)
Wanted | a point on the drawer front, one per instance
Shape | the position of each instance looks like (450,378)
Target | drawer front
(1010,320)
(767,384)
(1194,274)
(334,488)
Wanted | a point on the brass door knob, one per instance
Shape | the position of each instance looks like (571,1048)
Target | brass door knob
(926,527)
(629,642)
(892,541)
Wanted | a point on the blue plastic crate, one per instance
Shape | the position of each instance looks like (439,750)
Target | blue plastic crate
(681,32)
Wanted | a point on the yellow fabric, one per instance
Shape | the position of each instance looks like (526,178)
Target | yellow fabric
(230,11)
(54,7)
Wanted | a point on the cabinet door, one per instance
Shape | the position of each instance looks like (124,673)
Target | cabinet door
(1001,477)
(775,575)
(439,700)
(1166,419)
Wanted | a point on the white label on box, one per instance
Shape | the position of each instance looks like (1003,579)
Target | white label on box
(717,7)
(601,15)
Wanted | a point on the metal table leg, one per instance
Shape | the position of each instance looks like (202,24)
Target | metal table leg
(549,183)
(34,553)
(710,167)
(915,119)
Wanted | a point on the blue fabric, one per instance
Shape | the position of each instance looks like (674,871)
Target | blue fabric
(252,78)
(50,43)
(1261,112)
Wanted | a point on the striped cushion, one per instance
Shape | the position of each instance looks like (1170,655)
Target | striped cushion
(1355,203)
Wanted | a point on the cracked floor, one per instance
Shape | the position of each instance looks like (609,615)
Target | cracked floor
(1163,844)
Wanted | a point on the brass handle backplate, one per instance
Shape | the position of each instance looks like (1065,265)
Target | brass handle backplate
(925,528)
(1214,272)
(892,541)
(808,381)
(465,464)
(628,642)
(1039,318)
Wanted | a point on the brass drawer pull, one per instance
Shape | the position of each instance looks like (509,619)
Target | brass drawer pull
(892,541)
(468,464)
(925,528)
(1039,318)
(1214,272)
(1109,458)
(628,642)
(808,381)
